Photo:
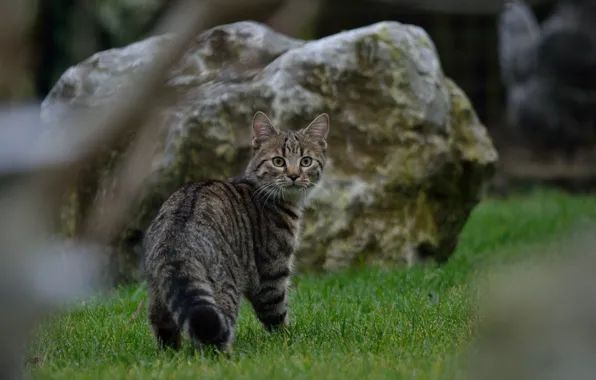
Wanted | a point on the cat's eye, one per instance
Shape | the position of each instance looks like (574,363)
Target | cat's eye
(305,161)
(278,161)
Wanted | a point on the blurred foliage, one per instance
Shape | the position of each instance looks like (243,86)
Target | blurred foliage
(69,31)
(126,20)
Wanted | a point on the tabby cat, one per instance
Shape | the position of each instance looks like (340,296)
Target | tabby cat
(213,242)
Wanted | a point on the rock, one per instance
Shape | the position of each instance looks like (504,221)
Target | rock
(547,70)
(408,154)
(536,319)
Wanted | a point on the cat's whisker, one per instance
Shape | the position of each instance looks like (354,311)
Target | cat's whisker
(324,190)
(318,187)
(270,192)
(283,194)
(259,190)
(303,194)
(262,192)
(263,199)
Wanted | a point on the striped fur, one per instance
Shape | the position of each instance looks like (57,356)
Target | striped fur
(214,242)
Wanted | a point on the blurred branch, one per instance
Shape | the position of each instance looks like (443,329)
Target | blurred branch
(39,164)
(109,209)
(16,19)
(293,16)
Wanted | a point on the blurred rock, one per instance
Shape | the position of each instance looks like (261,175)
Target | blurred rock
(454,6)
(537,320)
(548,71)
(408,154)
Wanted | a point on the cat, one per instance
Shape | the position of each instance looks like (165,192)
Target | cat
(215,242)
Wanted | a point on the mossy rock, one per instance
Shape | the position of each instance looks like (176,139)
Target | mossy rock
(409,157)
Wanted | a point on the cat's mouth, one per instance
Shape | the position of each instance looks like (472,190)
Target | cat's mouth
(294,186)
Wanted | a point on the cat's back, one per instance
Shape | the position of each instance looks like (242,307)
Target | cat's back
(202,205)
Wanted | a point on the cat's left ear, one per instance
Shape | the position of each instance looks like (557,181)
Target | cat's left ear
(262,129)
(319,128)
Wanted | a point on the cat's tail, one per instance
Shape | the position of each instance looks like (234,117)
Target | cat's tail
(191,301)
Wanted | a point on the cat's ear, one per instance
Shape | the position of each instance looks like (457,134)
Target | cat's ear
(262,128)
(319,128)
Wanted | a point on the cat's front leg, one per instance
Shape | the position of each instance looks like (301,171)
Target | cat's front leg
(270,301)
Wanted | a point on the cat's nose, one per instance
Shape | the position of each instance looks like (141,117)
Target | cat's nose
(293,177)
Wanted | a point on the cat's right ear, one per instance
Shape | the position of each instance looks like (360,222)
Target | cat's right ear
(262,129)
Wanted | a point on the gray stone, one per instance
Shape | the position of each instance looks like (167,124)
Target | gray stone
(537,319)
(408,154)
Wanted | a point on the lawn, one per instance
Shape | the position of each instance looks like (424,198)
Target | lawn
(401,324)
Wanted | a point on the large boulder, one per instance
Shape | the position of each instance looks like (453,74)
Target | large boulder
(408,155)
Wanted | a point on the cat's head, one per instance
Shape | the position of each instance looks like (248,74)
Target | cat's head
(287,164)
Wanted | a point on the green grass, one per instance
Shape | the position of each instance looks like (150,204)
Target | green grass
(350,325)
